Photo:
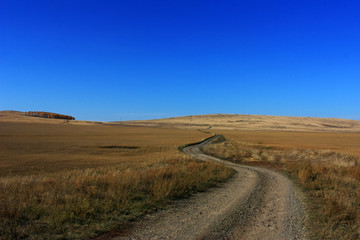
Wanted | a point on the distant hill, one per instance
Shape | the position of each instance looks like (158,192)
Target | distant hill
(24,117)
(49,115)
(37,117)
(253,123)
(213,122)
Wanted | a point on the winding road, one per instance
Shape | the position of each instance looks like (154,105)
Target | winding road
(255,203)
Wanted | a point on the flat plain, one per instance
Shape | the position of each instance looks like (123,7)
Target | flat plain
(31,145)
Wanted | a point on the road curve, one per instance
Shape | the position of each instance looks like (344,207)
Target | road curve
(255,203)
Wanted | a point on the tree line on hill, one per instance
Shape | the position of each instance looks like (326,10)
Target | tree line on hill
(49,115)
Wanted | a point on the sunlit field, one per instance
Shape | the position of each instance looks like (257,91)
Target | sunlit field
(68,180)
(348,143)
(78,179)
(326,165)
(43,148)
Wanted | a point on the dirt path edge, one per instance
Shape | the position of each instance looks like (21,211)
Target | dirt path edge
(256,203)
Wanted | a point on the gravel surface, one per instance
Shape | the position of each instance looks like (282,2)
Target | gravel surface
(255,203)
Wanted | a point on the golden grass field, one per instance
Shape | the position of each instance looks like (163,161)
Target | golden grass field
(326,165)
(62,180)
(84,178)
(348,143)
(253,123)
(28,148)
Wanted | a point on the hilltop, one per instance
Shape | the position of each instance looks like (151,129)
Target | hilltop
(253,123)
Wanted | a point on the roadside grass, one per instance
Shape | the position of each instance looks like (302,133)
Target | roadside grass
(227,150)
(84,203)
(79,182)
(331,181)
(334,194)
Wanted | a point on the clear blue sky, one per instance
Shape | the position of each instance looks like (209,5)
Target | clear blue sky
(121,60)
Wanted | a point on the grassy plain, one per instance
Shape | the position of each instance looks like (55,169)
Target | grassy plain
(62,180)
(30,148)
(83,178)
(348,143)
(326,165)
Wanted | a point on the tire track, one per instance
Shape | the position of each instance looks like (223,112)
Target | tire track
(255,203)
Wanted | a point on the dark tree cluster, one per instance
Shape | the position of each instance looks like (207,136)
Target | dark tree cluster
(49,115)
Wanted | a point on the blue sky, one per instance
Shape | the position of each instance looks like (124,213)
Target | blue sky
(122,60)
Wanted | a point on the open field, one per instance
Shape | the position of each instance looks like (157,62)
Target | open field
(27,148)
(348,143)
(253,123)
(73,179)
(326,165)
(77,180)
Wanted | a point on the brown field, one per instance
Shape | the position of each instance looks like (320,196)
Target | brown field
(62,180)
(253,123)
(27,148)
(83,178)
(348,143)
(326,165)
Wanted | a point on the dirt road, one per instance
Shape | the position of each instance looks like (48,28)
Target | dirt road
(255,203)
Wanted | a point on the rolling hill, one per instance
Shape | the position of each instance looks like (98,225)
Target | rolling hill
(253,123)
(215,122)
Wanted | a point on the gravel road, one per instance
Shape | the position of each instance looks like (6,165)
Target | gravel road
(255,203)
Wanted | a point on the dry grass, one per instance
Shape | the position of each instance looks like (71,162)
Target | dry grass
(229,150)
(30,148)
(79,179)
(334,193)
(348,143)
(254,123)
(85,203)
(330,179)
(66,181)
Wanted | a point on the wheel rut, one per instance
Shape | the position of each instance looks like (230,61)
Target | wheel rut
(255,203)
